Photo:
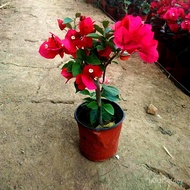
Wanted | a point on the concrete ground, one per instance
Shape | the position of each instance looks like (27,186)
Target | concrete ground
(38,133)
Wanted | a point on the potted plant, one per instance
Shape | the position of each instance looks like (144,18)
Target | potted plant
(111,8)
(93,47)
(111,3)
(171,23)
(102,4)
(171,17)
(135,7)
(141,7)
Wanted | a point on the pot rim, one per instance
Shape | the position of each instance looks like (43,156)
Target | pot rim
(77,111)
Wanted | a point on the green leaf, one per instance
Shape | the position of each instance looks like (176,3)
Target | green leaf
(110,97)
(107,30)
(106,117)
(94,35)
(146,11)
(128,2)
(108,108)
(111,90)
(80,55)
(111,93)
(93,95)
(105,23)
(69,65)
(93,59)
(77,15)
(93,105)
(85,92)
(67,20)
(100,47)
(68,25)
(115,62)
(89,99)
(99,29)
(108,35)
(76,69)
(93,116)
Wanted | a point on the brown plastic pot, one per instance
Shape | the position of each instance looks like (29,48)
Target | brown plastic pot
(99,144)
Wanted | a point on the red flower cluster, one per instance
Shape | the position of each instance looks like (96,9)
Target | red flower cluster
(176,13)
(92,51)
(75,40)
(87,77)
(131,35)
(52,47)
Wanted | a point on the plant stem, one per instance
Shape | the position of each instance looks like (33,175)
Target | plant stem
(99,90)
(98,99)
(106,64)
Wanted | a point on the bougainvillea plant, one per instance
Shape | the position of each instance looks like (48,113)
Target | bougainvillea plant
(173,16)
(93,47)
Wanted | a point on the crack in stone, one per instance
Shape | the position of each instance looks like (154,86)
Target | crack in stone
(30,40)
(12,101)
(52,101)
(60,65)
(38,101)
(37,91)
(123,68)
(26,66)
(169,176)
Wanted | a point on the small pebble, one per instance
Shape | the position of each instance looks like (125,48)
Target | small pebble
(20,163)
(158,116)
(117,156)
(151,109)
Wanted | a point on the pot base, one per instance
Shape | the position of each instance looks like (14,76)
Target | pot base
(99,144)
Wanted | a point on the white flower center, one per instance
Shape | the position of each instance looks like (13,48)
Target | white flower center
(72,37)
(91,70)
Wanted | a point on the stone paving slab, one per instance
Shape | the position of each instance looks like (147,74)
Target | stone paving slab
(38,133)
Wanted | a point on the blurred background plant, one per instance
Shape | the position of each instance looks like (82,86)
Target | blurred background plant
(170,20)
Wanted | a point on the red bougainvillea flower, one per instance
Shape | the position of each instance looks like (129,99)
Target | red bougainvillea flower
(87,77)
(188,15)
(124,33)
(181,12)
(148,51)
(79,82)
(85,42)
(61,25)
(172,14)
(86,26)
(71,40)
(162,10)
(105,53)
(154,5)
(173,26)
(52,47)
(185,25)
(132,36)
(66,74)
